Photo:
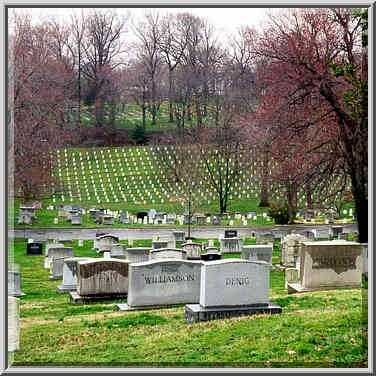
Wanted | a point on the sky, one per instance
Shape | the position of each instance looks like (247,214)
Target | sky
(225,20)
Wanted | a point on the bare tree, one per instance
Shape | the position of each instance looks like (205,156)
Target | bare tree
(149,35)
(102,52)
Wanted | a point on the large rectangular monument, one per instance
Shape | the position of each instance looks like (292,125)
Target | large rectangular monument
(100,279)
(163,283)
(328,265)
(232,287)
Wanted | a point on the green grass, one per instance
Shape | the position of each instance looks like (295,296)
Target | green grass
(318,329)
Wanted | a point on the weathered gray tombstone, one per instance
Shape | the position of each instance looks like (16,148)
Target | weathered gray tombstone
(328,265)
(193,250)
(161,283)
(13,323)
(137,254)
(259,252)
(118,251)
(201,220)
(320,234)
(100,279)
(157,244)
(265,238)
(57,252)
(179,236)
(290,249)
(216,221)
(108,220)
(105,242)
(343,236)
(231,245)
(27,210)
(334,231)
(279,234)
(291,276)
(232,287)
(24,219)
(170,219)
(124,218)
(167,253)
(76,219)
(365,258)
(70,274)
(151,214)
(14,281)
(56,269)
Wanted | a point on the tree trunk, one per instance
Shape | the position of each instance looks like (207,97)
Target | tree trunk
(309,196)
(170,110)
(99,113)
(189,112)
(292,198)
(358,188)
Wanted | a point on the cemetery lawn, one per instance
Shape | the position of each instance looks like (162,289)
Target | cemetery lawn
(319,329)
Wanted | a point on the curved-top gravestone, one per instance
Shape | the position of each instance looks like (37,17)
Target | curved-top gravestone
(137,254)
(193,250)
(168,253)
(102,277)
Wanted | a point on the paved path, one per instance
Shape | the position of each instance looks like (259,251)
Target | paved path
(147,233)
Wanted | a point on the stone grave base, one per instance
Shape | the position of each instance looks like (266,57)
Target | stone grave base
(281,268)
(16,294)
(52,278)
(67,288)
(126,307)
(294,288)
(196,313)
(80,299)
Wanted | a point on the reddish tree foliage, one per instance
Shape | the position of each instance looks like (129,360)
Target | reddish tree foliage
(301,47)
(42,92)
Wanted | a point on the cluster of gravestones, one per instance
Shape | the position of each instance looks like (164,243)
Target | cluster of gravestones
(74,214)
(196,275)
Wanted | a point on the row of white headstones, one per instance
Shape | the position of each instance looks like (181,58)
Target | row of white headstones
(138,187)
(136,179)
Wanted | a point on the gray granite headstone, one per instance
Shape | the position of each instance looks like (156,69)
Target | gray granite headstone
(13,323)
(179,236)
(193,250)
(231,245)
(328,264)
(105,242)
(232,287)
(70,274)
(163,282)
(234,282)
(168,253)
(14,281)
(118,251)
(57,252)
(259,252)
(137,254)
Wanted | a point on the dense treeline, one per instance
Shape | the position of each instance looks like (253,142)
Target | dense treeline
(294,93)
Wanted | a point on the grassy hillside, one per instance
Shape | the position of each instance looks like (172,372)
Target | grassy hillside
(319,329)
